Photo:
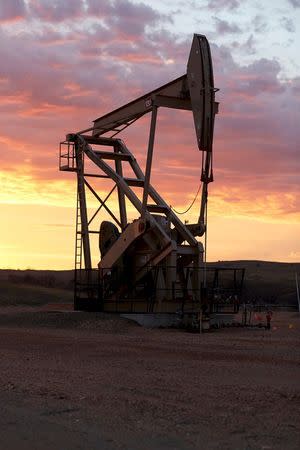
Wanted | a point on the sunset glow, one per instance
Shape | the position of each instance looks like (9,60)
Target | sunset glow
(67,63)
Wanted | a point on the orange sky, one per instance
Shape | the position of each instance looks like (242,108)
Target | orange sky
(66,67)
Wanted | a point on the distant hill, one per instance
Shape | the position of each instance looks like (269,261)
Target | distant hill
(46,278)
(265,282)
(35,287)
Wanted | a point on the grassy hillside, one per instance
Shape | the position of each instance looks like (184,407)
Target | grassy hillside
(12,294)
(268,282)
(47,278)
(35,287)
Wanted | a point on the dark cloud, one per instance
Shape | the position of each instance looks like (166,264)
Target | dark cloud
(260,76)
(124,17)
(217,5)
(259,24)
(55,10)
(288,24)
(247,47)
(12,10)
(99,8)
(258,114)
(224,27)
(129,19)
(295,3)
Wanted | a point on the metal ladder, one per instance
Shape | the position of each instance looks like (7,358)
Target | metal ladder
(78,253)
(78,243)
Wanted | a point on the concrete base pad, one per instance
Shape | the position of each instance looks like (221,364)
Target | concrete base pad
(220,320)
(156,320)
(164,320)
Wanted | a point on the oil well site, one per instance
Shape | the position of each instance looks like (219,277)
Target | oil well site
(153,263)
(146,344)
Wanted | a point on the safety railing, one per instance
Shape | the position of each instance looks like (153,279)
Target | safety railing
(67,159)
(116,290)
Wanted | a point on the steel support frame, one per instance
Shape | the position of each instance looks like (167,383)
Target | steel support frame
(170,251)
(121,195)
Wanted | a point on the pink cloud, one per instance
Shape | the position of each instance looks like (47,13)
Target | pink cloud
(12,10)
(57,80)
(55,10)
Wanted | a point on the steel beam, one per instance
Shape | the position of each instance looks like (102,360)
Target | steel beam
(149,159)
(82,205)
(137,108)
(121,195)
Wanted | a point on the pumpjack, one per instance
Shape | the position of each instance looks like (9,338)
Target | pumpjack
(153,263)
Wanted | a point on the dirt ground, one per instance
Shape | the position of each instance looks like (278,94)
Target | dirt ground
(73,380)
